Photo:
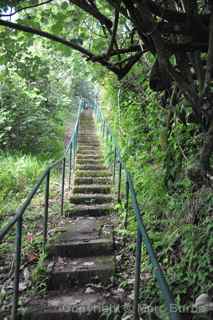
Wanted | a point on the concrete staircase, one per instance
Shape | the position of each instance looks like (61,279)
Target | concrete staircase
(81,261)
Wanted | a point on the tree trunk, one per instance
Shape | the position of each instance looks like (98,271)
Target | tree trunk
(206,151)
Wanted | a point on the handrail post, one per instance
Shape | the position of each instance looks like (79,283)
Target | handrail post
(126,204)
(17,267)
(74,148)
(137,274)
(46,206)
(70,166)
(108,135)
(104,124)
(76,142)
(119,181)
(114,164)
(62,185)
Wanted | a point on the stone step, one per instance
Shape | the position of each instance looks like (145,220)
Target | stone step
(86,248)
(67,272)
(94,188)
(86,147)
(89,145)
(89,128)
(84,161)
(75,304)
(97,210)
(83,237)
(88,142)
(90,151)
(92,180)
(87,121)
(91,198)
(89,157)
(93,173)
(88,139)
(90,167)
(88,134)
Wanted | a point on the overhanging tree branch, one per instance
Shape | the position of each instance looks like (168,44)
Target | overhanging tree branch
(94,11)
(132,48)
(44,34)
(114,31)
(209,67)
(25,8)
(131,62)
(69,43)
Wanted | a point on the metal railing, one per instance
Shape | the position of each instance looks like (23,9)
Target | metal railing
(69,155)
(142,235)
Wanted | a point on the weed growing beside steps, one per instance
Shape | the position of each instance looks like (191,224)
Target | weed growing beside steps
(18,173)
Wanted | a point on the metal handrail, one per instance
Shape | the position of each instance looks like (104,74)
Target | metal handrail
(142,235)
(18,218)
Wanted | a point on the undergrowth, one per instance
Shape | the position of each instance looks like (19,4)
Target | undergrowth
(176,209)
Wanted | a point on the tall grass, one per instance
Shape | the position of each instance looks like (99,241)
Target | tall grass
(18,173)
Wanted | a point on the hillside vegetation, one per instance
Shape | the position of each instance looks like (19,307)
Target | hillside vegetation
(148,64)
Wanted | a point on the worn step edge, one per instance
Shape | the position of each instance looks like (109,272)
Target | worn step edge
(91,133)
(90,210)
(91,198)
(92,180)
(67,272)
(90,167)
(70,305)
(93,188)
(88,142)
(77,249)
(93,173)
(89,157)
(96,162)
(93,151)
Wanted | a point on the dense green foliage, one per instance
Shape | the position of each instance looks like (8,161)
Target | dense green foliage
(34,98)
(17,176)
(161,135)
(176,210)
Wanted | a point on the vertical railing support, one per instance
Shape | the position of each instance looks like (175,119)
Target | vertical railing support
(137,274)
(74,148)
(76,142)
(108,137)
(114,164)
(70,166)
(17,267)
(111,147)
(104,126)
(62,185)
(126,204)
(119,181)
(46,206)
